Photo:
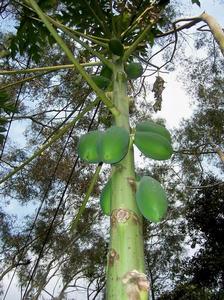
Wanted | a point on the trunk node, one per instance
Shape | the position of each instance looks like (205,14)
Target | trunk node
(122,215)
(136,284)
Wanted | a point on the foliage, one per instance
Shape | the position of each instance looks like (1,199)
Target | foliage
(205,215)
(202,275)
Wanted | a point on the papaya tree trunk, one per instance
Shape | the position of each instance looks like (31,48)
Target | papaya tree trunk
(125,267)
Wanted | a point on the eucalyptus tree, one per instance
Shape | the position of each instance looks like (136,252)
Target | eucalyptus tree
(102,44)
(201,276)
(200,160)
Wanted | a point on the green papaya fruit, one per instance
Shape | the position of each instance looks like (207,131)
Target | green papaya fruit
(116,47)
(153,145)
(88,146)
(150,126)
(113,145)
(151,199)
(133,70)
(106,72)
(101,81)
(105,198)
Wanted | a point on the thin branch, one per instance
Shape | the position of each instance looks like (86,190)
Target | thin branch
(12,116)
(33,120)
(49,230)
(21,81)
(75,221)
(203,30)
(50,68)
(204,186)
(194,152)
(193,21)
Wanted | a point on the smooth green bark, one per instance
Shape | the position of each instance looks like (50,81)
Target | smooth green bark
(125,268)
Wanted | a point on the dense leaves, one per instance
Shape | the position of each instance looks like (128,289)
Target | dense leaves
(92,17)
(202,275)
(205,215)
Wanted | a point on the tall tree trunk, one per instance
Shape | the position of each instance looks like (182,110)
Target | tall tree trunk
(125,268)
(216,30)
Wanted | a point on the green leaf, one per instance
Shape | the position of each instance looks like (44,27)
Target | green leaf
(151,38)
(4,97)
(196,2)
(3,121)
(1,139)
(2,129)
(9,107)
(47,4)
(121,22)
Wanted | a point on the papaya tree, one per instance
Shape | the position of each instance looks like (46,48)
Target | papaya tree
(108,46)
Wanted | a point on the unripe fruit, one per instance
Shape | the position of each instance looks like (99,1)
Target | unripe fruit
(116,47)
(151,199)
(134,70)
(88,147)
(113,145)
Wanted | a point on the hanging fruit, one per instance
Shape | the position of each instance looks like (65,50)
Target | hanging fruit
(150,126)
(151,199)
(116,47)
(153,140)
(109,147)
(113,145)
(133,70)
(153,145)
(106,72)
(101,81)
(87,147)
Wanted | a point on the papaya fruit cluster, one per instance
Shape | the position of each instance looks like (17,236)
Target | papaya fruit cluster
(109,146)
(150,198)
(154,141)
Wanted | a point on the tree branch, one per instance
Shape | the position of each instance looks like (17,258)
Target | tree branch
(203,186)
(50,68)
(193,21)
(75,221)
(216,30)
